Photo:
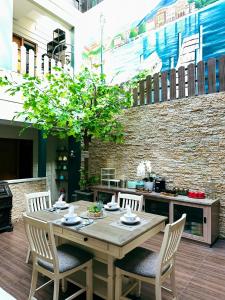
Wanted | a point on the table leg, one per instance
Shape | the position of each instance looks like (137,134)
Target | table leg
(95,196)
(111,279)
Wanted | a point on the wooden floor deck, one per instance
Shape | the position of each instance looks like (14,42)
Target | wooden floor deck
(200,270)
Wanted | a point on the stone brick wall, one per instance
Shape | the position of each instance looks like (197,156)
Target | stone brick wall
(19,189)
(184,140)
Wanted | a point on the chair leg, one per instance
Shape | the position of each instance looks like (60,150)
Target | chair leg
(33,283)
(64,285)
(28,255)
(173,283)
(158,291)
(56,289)
(138,294)
(118,284)
(89,281)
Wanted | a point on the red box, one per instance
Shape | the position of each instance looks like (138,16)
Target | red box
(196,195)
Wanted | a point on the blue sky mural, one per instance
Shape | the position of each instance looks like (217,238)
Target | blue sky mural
(171,33)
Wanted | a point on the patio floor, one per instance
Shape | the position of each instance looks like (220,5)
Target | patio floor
(200,270)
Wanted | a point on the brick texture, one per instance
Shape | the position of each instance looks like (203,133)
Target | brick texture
(184,140)
(19,190)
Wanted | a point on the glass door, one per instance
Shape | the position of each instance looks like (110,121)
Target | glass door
(195,219)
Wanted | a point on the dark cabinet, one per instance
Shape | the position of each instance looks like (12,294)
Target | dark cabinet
(194,221)
(157,207)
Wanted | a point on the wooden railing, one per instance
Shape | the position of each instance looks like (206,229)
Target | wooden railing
(203,78)
(24,61)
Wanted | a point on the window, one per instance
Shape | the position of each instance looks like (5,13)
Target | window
(16,159)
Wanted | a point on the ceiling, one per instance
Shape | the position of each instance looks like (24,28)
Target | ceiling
(22,8)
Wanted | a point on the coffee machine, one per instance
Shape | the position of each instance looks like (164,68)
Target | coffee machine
(160,184)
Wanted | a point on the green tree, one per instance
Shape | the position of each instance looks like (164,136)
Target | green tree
(133,32)
(82,106)
(142,28)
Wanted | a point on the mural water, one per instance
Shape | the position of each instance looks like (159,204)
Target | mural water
(174,33)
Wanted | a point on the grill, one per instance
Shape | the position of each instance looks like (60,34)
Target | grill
(5,207)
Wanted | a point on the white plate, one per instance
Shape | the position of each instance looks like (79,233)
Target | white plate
(111,208)
(125,221)
(77,220)
(61,207)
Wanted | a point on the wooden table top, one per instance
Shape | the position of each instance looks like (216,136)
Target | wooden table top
(101,228)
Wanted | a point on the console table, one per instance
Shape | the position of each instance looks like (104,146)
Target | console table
(202,223)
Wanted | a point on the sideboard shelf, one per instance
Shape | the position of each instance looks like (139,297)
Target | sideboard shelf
(202,223)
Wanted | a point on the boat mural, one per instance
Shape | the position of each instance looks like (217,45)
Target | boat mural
(173,33)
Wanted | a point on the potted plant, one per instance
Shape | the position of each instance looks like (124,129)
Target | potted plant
(82,105)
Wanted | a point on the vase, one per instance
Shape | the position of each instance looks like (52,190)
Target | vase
(148,185)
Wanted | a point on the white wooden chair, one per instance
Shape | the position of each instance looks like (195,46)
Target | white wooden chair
(151,267)
(135,201)
(34,202)
(55,262)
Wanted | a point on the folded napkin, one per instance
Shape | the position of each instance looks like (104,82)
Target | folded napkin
(71,210)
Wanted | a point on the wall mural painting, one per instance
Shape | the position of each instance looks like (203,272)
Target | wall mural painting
(173,33)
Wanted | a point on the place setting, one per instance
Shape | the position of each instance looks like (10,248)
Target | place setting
(60,204)
(73,220)
(112,206)
(129,221)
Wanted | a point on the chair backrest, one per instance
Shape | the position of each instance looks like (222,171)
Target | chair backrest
(170,244)
(38,201)
(41,239)
(135,201)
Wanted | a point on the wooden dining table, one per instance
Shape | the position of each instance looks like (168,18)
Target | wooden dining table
(106,237)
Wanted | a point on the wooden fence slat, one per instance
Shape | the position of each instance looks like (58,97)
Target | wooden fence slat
(181,81)
(135,96)
(142,92)
(201,77)
(53,64)
(156,87)
(38,71)
(46,64)
(149,89)
(191,80)
(173,84)
(59,64)
(164,86)
(222,73)
(23,60)
(31,62)
(211,75)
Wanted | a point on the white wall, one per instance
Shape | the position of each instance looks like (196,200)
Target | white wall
(37,25)
(65,12)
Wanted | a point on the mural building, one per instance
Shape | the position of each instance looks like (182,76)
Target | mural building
(172,33)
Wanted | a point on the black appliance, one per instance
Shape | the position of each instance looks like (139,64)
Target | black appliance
(5,207)
(160,185)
